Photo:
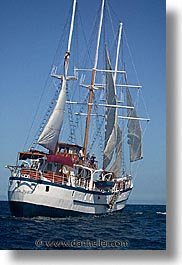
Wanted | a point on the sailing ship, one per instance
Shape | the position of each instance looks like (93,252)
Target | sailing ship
(60,178)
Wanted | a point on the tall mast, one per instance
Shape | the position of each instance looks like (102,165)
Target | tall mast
(71,27)
(117,53)
(50,135)
(93,80)
(69,40)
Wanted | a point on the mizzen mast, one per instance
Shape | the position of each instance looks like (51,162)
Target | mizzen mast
(93,81)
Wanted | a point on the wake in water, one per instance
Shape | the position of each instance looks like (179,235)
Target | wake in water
(161,213)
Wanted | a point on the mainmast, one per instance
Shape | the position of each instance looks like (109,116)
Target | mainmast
(93,81)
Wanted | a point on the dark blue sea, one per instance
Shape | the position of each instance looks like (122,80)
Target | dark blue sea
(137,227)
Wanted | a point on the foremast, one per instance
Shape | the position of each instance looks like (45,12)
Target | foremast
(66,58)
(91,87)
(50,135)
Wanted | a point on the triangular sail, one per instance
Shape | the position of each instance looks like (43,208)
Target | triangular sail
(50,135)
(134,132)
(116,166)
(110,126)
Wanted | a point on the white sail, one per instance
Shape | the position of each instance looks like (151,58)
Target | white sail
(116,166)
(134,132)
(50,135)
(110,126)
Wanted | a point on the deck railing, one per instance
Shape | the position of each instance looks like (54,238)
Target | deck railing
(65,179)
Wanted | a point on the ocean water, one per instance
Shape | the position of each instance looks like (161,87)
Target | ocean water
(137,227)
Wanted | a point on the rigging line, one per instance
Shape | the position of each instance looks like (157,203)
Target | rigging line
(84,35)
(93,37)
(45,117)
(92,134)
(82,107)
(78,122)
(46,84)
(76,38)
(69,120)
(112,151)
(115,15)
(144,104)
(123,124)
(36,112)
(109,109)
(100,137)
(88,44)
(135,170)
(70,115)
(101,125)
(88,58)
(67,131)
(136,108)
(114,42)
(135,104)
(64,126)
(130,53)
(61,43)
(112,26)
(125,133)
(98,128)
(138,164)
(118,19)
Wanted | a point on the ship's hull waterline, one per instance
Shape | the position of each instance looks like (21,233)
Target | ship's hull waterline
(30,198)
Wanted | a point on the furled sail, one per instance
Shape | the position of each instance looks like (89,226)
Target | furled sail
(116,166)
(50,135)
(110,126)
(134,132)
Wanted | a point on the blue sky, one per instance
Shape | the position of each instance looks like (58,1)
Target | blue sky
(30,33)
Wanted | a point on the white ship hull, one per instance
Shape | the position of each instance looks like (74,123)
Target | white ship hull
(29,198)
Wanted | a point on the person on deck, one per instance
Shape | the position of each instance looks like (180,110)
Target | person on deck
(92,160)
(81,155)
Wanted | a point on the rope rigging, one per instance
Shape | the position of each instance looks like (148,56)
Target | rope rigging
(73,126)
(48,84)
(46,117)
